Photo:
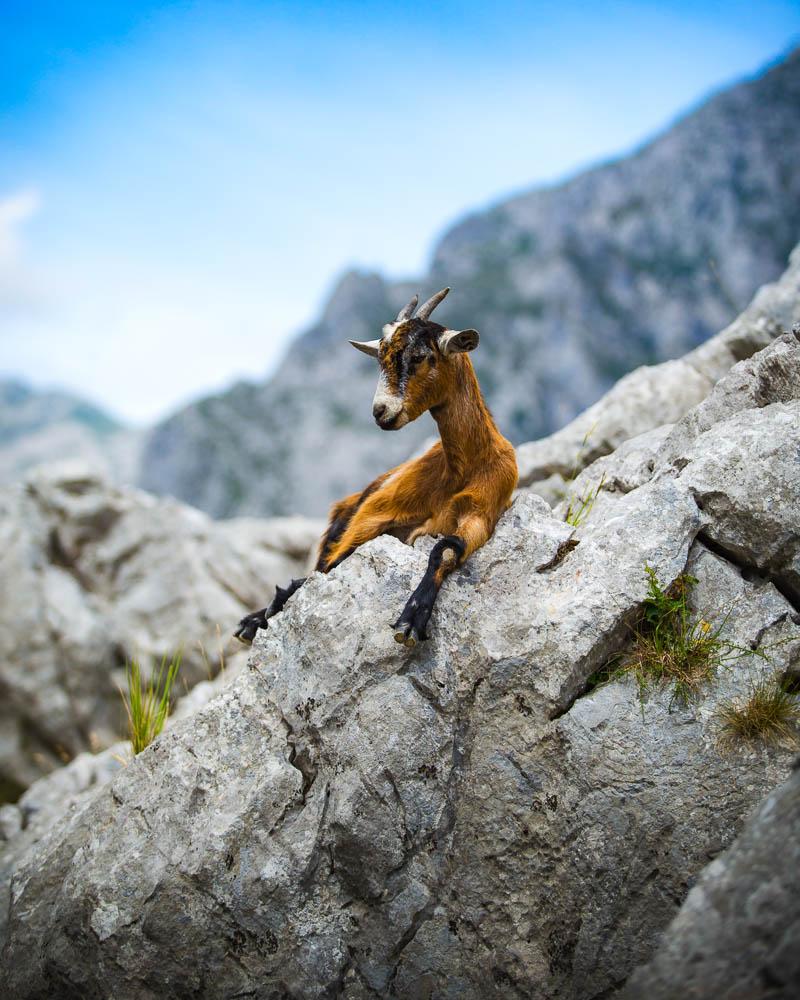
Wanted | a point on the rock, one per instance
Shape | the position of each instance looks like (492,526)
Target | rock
(750,505)
(736,934)
(63,790)
(91,576)
(646,399)
(651,397)
(475,819)
(769,377)
(625,469)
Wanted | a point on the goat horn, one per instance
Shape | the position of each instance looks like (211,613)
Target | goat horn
(371,347)
(427,308)
(407,311)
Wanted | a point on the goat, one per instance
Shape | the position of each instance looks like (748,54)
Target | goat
(458,489)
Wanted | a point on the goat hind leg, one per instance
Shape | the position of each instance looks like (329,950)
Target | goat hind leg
(411,627)
(246,629)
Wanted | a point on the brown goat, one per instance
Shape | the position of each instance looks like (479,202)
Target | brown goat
(457,489)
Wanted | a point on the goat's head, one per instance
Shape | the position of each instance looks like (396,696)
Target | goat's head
(419,362)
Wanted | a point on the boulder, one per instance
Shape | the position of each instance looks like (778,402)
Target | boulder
(652,396)
(92,575)
(477,818)
(736,934)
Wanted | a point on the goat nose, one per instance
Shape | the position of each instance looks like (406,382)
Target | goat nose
(378,410)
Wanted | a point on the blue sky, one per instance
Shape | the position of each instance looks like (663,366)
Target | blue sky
(181,183)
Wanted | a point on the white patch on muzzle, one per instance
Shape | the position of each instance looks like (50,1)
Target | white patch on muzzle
(392,404)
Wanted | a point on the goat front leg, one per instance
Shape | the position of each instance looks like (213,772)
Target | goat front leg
(473,529)
(250,624)
(412,624)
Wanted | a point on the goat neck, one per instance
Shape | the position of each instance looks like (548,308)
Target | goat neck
(466,427)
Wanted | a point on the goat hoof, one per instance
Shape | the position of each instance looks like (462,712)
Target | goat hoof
(411,639)
(246,630)
(406,634)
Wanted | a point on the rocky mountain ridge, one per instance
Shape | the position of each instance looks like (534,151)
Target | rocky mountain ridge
(38,426)
(634,262)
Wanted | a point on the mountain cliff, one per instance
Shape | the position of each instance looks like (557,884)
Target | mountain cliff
(44,425)
(633,262)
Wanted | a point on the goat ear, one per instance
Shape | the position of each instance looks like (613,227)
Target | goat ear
(370,347)
(458,341)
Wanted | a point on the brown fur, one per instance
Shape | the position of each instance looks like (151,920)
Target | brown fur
(459,487)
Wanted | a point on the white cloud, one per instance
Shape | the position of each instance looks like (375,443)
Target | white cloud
(19,289)
(15,210)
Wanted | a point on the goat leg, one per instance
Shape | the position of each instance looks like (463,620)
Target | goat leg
(411,627)
(250,624)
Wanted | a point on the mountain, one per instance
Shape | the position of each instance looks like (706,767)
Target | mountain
(39,426)
(633,262)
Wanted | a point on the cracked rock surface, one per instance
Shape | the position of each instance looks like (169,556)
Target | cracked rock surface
(656,395)
(92,575)
(737,933)
(472,819)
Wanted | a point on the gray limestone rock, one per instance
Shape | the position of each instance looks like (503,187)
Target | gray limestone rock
(91,576)
(736,935)
(651,397)
(478,818)
(474,819)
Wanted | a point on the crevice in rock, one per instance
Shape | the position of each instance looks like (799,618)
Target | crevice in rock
(302,760)
(444,827)
(610,646)
(460,756)
(419,918)
(562,552)
(59,556)
(338,986)
(315,857)
(401,808)
(750,571)
(758,638)
(426,693)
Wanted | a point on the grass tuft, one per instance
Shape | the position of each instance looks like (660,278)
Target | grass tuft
(147,703)
(769,714)
(579,508)
(670,647)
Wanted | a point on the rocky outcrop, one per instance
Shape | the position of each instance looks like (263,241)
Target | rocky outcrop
(651,397)
(632,263)
(736,935)
(473,819)
(91,576)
